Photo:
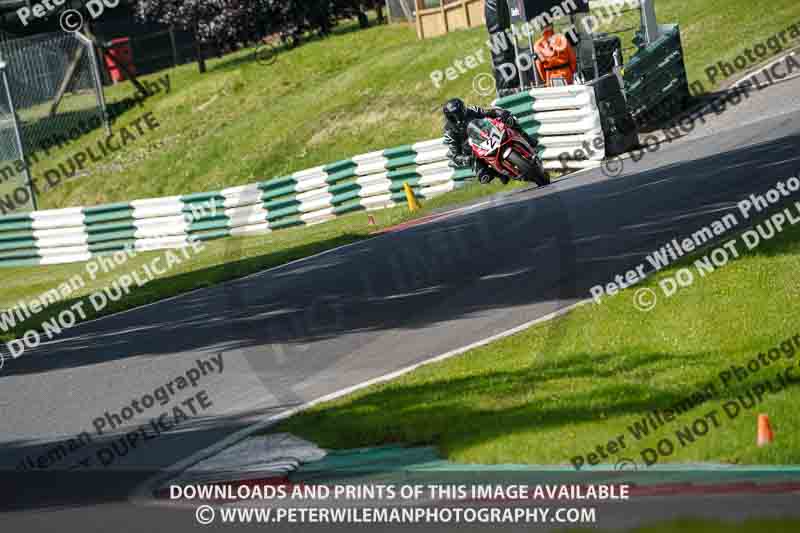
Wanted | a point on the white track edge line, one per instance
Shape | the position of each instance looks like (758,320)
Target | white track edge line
(143,492)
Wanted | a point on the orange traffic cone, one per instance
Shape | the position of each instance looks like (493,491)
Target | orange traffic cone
(765,435)
(370,220)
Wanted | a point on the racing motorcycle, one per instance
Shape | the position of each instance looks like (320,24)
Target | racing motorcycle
(505,150)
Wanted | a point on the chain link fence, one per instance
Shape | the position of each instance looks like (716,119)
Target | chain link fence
(164,49)
(159,50)
(52,96)
(14,176)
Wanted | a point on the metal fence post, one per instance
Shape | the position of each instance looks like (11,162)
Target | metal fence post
(17,134)
(174,46)
(98,86)
(649,21)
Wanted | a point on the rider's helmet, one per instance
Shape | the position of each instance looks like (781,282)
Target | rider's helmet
(455,111)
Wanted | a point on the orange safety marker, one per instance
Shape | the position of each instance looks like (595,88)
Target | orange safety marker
(370,220)
(765,435)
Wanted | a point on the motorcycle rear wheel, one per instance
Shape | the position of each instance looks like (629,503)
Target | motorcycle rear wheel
(530,172)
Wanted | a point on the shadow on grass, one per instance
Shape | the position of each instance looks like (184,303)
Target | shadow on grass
(460,413)
(40,134)
(48,132)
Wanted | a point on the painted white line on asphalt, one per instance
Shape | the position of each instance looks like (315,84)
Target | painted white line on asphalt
(471,207)
(573,174)
(144,492)
(762,69)
(502,275)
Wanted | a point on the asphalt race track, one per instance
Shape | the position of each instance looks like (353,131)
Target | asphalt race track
(297,332)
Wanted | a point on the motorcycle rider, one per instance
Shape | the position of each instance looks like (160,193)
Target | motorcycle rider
(457,117)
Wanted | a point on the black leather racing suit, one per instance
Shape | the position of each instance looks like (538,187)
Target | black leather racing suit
(460,154)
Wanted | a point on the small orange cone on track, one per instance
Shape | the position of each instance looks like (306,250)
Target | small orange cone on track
(765,435)
(370,220)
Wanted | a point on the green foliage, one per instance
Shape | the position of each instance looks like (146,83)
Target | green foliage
(562,388)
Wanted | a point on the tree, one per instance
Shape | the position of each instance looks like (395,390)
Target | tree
(358,9)
(227,24)
(212,22)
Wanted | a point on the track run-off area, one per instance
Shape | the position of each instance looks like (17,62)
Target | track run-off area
(259,347)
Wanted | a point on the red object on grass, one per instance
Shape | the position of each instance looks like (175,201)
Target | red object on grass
(120,52)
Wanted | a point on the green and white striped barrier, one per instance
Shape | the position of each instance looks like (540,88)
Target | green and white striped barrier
(562,118)
(371,181)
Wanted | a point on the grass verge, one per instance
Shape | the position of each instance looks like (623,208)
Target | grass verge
(528,399)
(331,99)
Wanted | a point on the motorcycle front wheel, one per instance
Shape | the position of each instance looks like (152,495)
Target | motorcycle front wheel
(531,171)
